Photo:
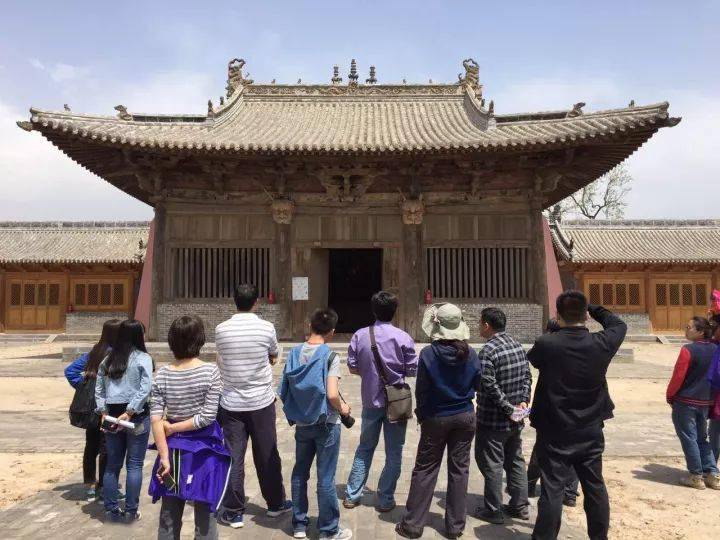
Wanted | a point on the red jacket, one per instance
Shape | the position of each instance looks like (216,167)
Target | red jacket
(689,383)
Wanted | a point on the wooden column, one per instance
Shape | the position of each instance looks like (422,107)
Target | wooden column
(281,280)
(158,269)
(412,278)
(299,267)
(540,289)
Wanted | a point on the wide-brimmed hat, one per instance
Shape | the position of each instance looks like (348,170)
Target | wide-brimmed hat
(445,321)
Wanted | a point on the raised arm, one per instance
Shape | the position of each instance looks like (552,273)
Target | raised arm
(614,328)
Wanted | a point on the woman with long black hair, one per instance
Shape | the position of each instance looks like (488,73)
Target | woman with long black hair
(82,374)
(123,387)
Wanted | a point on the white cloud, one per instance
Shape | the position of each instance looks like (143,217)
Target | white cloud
(37,64)
(38,182)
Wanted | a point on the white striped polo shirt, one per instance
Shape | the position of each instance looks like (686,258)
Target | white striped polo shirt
(244,344)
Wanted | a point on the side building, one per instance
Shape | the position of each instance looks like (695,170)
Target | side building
(68,277)
(657,274)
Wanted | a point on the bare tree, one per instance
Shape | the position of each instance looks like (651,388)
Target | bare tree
(604,197)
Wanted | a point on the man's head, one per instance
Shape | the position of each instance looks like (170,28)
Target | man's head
(384,306)
(698,328)
(492,321)
(572,308)
(246,295)
(323,321)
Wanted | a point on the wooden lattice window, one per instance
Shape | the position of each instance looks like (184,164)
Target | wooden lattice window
(661,294)
(701,296)
(634,299)
(41,294)
(614,291)
(29,294)
(687,294)
(478,272)
(100,294)
(215,272)
(674,294)
(54,294)
(15,293)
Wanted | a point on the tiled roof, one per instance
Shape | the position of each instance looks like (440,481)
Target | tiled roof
(638,241)
(275,119)
(73,242)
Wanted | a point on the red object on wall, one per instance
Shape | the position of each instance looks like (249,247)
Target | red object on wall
(271,297)
(428,296)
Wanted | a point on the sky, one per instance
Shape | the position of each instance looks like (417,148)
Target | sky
(171,57)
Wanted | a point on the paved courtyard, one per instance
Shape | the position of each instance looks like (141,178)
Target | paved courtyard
(638,431)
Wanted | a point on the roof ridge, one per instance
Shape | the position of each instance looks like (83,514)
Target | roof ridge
(74,224)
(645,223)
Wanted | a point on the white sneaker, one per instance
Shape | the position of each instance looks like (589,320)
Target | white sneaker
(341,534)
(299,534)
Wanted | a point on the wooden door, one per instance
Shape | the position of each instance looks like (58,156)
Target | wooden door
(34,304)
(676,300)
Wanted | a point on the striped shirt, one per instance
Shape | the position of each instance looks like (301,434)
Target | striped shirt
(180,394)
(245,343)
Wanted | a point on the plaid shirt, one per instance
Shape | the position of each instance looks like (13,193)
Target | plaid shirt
(506,381)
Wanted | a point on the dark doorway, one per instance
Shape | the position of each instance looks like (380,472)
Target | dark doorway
(354,276)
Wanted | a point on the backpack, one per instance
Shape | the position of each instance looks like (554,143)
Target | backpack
(303,387)
(82,408)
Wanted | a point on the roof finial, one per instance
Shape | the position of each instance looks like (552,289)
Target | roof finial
(372,79)
(404,81)
(66,107)
(631,104)
(211,109)
(123,113)
(336,78)
(576,110)
(272,82)
(491,107)
(222,101)
(299,81)
(472,75)
(430,81)
(353,77)
(236,78)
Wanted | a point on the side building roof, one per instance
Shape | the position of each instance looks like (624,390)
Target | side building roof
(637,241)
(73,242)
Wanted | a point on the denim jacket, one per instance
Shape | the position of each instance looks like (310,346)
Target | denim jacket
(132,388)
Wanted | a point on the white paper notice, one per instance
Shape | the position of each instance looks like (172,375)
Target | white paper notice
(300,288)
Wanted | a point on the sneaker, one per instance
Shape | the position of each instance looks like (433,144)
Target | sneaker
(694,481)
(496,518)
(570,502)
(299,534)
(341,534)
(275,512)
(712,481)
(231,519)
(131,517)
(389,508)
(115,516)
(517,513)
(91,495)
(350,504)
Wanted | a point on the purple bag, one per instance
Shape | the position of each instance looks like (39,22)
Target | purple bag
(201,467)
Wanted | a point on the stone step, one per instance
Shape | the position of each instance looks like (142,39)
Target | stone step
(161,352)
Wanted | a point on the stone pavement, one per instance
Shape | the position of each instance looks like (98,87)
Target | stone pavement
(62,510)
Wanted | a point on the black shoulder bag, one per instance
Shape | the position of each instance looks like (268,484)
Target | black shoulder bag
(398,397)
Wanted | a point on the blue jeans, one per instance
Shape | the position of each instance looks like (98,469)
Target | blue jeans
(125,446)
(714,433)
(373,420)
(321,441)
(691,427)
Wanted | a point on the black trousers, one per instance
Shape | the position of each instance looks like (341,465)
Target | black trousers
(557,455)
(533,475)
(456,433)
(260,427)
(94,447)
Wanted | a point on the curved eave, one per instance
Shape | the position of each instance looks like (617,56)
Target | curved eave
(72,261)
(646,261)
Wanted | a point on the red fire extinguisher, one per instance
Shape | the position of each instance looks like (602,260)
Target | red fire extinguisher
(428,296)
(271,297)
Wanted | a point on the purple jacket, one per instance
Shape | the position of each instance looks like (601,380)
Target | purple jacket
(200,466)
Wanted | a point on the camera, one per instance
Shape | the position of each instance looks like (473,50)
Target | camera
(347,421)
